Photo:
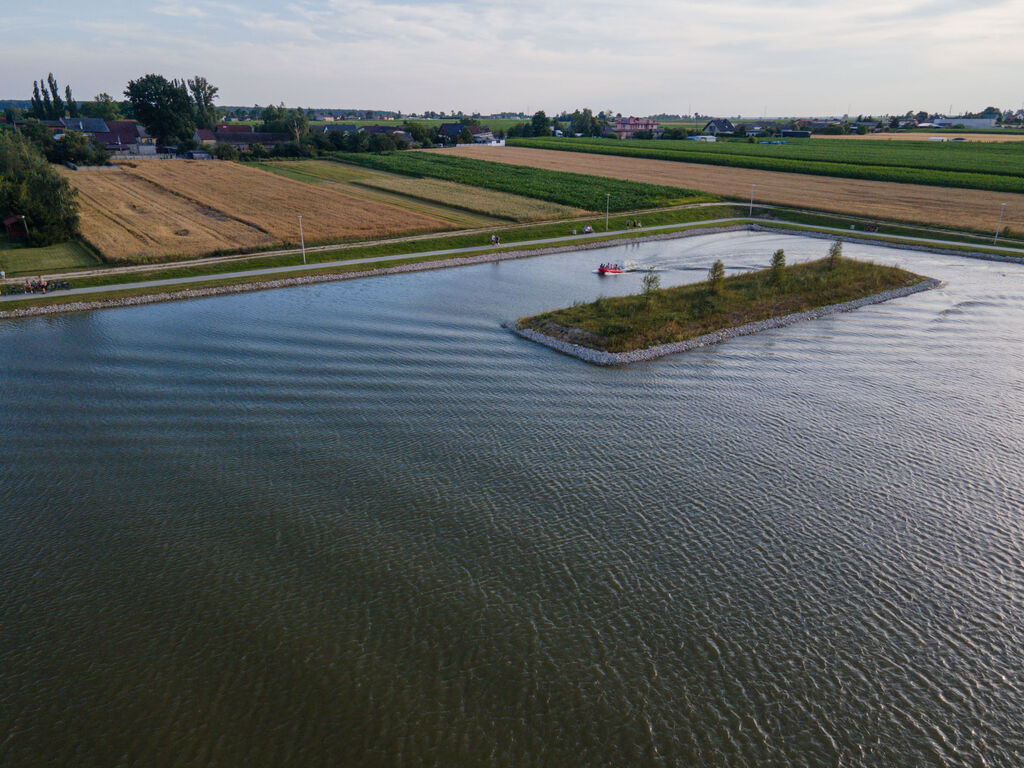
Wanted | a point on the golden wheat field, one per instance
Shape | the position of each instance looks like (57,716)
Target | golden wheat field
(126,218)
(961,208)
(486,201)
(274,203)
(160,209)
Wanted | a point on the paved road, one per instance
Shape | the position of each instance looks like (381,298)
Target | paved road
(276,271)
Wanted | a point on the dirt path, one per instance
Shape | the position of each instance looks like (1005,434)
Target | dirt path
(960,208)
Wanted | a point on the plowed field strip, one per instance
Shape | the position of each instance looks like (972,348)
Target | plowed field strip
(274,203)
(959,208)
(127,218)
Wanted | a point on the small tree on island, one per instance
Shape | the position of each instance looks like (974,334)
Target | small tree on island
(835,253)
(777,274)
(651,283)
(716,277)
(650,286)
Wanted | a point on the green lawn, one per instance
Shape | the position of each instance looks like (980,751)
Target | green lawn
(18,261)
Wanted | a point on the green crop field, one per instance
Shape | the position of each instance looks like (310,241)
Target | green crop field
(991,166)
(572,189)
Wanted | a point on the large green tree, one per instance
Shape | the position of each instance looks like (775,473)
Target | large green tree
(164,107)
(30,187)
(203,96)
(540,123)
(103,107)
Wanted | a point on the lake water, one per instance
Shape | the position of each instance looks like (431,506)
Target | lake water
(359,524)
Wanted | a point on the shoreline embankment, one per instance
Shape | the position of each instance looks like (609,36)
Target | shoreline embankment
(181,294)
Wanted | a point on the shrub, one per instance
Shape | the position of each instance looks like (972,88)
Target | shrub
(651,282)
(225,152)
(716,277)
(835,253)
(777,273)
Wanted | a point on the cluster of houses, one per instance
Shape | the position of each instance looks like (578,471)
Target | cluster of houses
(118,136)
(129,137)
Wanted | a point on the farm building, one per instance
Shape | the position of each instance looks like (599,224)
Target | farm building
(15,228)
(719,127)
(627,127)
(90,126)
(481,133)
(128,136)
(966,122)
(795,134)
(244,139)
(205,136)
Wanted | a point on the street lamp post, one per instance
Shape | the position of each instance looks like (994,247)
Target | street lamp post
(607,204)
(25,225)
(302,240)
(1000,224)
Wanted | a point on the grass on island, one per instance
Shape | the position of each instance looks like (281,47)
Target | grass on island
(627,323)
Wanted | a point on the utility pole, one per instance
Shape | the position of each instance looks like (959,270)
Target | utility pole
(302,240)
(750,213)
(997,226)
(607,205)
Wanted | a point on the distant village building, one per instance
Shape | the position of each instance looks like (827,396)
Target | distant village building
(481,133)
(205,137)
(719,127)
(966,122)
(245,139)
(336,128)
(625,128)
(86,125)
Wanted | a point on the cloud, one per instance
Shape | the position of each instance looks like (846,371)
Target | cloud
(176,10)
(722,56)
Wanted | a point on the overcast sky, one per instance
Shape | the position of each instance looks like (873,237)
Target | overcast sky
(722,57)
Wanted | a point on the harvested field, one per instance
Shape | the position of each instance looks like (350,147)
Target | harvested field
(272,203)
(160,210)
(960,208)
(350,179)
(485,201)
(126,218)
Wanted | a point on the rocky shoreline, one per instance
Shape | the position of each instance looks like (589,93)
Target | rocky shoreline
(287,282)
(982,255)
(598,357)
